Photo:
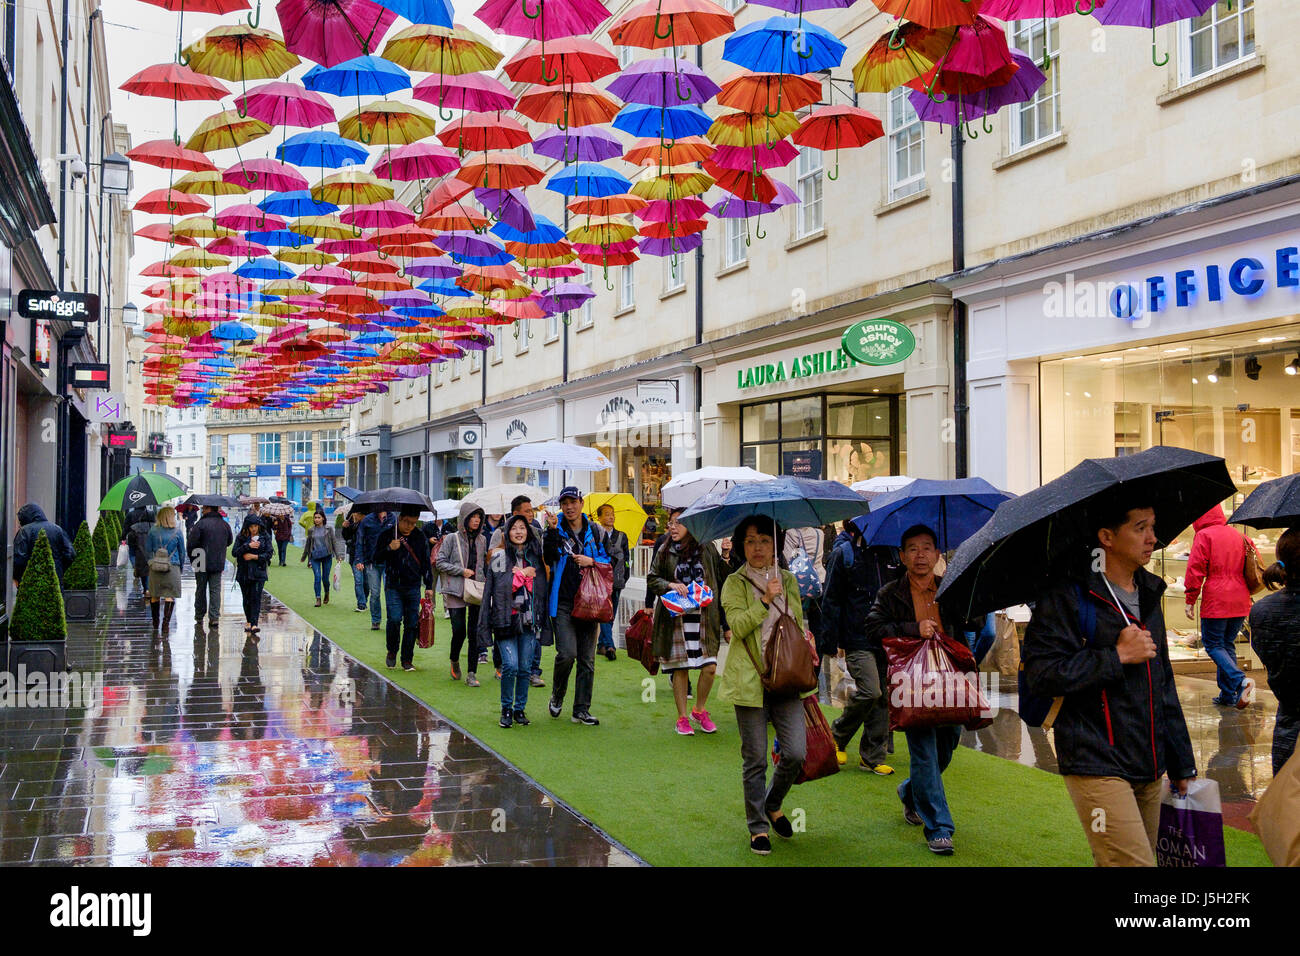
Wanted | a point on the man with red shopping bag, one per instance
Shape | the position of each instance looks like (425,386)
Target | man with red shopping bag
(907,607)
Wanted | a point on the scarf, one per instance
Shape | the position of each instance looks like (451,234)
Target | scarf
(774,610)
(521,592)
(690,564)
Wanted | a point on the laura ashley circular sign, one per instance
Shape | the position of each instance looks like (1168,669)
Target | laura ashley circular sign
(878,341)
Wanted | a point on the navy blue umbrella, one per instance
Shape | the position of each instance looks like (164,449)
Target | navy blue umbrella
(954,510)
(1274,504)
(791,502)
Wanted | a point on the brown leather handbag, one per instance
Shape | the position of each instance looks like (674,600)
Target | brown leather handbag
(788,669)
(1251,571)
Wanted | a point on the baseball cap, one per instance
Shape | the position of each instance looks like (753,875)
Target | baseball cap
(570,491)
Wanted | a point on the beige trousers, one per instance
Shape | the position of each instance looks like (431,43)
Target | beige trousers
(1119,818)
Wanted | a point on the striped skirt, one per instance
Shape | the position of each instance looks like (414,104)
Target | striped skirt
(687,651)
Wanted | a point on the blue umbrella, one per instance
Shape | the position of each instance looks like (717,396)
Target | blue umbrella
(220,361)
(295,204)
(434,287)
(791,502)
(419,311)
(954,510)
(371,75)
(321,148)
(235,332)
(545,233)
(673,122)
(264,268)
(435,12)
(280,237)
(588,179)
(376,338)
(783,45)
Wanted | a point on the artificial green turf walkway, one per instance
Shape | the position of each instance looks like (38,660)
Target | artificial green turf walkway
(677,800)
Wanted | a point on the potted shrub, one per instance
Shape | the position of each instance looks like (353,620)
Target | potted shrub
(79,580)
(38,631)
(103,552)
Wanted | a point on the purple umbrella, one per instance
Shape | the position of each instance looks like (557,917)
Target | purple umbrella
(510,207)
(439,267)
(805,6)
(565,297)
(732,207)
(1150,13)
(406,299)
(951,112)
(664,81)
(1022,86)
(470,244)
(671,247)
(579,144)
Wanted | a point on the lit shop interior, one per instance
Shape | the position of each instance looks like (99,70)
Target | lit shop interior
(1236,396)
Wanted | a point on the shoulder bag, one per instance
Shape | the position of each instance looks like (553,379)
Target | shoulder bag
(787,669)
(1251,572)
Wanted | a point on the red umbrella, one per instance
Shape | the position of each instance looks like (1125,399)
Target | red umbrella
(168,201)
(579,104)
(267,174)
(979,59)
(933,13)
(285,104)
(471,92)
(167,270)
(331,31)
(162,232)
(483,131)
(200,6)
(665,23)
(576,60)
(168,155)
(833,127)
(445,193)
(499,169)
(742,182)
(171,81)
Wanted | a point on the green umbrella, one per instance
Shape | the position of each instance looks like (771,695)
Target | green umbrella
(145,488)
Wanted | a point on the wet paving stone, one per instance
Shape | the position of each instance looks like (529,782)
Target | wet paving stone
(212,749)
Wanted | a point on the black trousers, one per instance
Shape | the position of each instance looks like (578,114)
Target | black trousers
(252,591)
(459,633)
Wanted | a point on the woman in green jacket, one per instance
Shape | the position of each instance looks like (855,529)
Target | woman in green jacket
(753,598)
(687,642)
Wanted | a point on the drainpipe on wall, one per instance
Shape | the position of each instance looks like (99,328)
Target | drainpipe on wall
(960,407)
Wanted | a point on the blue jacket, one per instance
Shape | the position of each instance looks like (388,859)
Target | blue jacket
(368,534)
(558,545)
(168,538)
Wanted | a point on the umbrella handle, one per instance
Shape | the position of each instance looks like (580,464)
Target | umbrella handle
(683,97)
(531,16)
(663,36)
(1157,60)
(1085,7)
(896,39)
(759,232)
(835,175)
(970,133)
(778,103)
(548,78)
(449,114)
(255,19)
(988,130)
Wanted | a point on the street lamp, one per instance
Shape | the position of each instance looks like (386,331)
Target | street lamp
(130,314)
(116,175)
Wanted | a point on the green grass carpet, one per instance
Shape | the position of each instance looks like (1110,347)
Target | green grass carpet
(677,800)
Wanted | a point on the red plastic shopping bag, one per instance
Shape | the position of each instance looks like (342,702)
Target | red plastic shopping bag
(427,620)
(934,682)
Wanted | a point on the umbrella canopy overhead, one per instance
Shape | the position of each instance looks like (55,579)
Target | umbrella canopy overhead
(402,500)
(790,502)
(1274,504)
(145,489)
(495,499)
(954,510)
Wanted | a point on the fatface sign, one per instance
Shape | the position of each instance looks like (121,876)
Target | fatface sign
(69,306)
(878,342)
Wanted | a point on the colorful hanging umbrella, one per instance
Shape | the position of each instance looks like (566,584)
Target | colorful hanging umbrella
(320,148)
(432,49)
(932,13)
(171,81)
(295,204)
(499,169)
(835,127)
(239,52)
(674,122)
(436,12)
(208,183)
(369,75)
(664,81)
(202,227)
(268,174)
(579,104)
(226,130)
(747,129)
(478,132)
(567,60)
(769,92)
(656,152)
(168,201)
(656,24)
(590,144)
(1151,13)
(670,182)
(166,154)
(780,154)
(286,104)
(162,232)
(895,58)
(588,179)
(509,206)
(332,31)
(784,45)
(416,161)
(554,19)
(351,187)
(388,214)
(471,92)
(386,122)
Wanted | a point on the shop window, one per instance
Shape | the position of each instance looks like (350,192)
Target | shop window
(734,248)
(627,287)
(1222,36)
(299,446)
(846,438)
(906,147)
(674,273)
(809,168)
(268,448)
(331,445)
(1039,118)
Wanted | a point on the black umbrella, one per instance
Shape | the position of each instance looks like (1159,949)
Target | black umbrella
(212,501)
(404,500)
(281,500)
(1036,539)
(346,491)
(1274,504)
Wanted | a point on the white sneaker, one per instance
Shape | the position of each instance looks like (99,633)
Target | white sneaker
(1247,696)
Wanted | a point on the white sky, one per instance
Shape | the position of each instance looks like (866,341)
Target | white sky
(140,35)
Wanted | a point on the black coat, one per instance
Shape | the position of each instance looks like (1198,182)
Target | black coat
(498,587)
(407,566)
(850,592)
(616,547)
(1118,720)
(892,614)
(1275,636)
(213,537)
(252,570)
(349,532)
(33,521)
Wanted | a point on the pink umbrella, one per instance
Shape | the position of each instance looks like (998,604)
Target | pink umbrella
(266,174)
(555,18)
(556,272)
(248,218)
(746,157)
(331,31)
(327,275)
(227,283)
(672,210)
(236,246)
(417,161)
(470,92)
(285,104)
(345,247)
(388,214)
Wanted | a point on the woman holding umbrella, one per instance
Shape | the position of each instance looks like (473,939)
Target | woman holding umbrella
(252,551)
(164,542)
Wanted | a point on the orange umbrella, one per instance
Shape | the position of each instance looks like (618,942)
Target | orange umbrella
(580,104)
(933,13)
(444,194)
(171,81)
(755,187)
(608,205)
(369,262)
(655,152)
(168,155)
(769,92)
(454,217)
(576,59)
(664,23)
(162,232)
(499,169)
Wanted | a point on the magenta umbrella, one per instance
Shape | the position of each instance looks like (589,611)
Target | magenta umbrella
(553,18)
(248,218)
(470,92)
(416,161)
(285,104)
(266,174)
(672,210)
(237,246)
(388,214)
(782,153)
(331,31)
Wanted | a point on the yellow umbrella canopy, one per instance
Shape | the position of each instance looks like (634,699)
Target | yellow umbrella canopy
(198,259)
(629,516)
(276,308)
(322,227)
(239,52)
(267,321)
(434,49)
(285,287)
(751,129)
(670,182)
(387,123)
(352,187)
(602,232)
(226,130)
(208,182)
(201,227)
(305,257)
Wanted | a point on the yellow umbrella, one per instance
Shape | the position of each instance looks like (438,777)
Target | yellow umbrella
(751,129)
(387,123)
(351,187)
(305,257)
(670,182)
(434,49)
(629,516)
(201,227)
(198,259)
(602,232)
(322,227)
(208,182)
(226,130)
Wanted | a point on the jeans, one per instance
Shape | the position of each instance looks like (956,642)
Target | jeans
(320,569)
(360,585)
(575,642)
(536,669)
(283,547)
(1219,635)
(868,708)
(375,585)
(931,751)
(252,592)
(459,634)
(761,798)
(516,652)
(607,629)
(403,610)
(207,595)
(980,642)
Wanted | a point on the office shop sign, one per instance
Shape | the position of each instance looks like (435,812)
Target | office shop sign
(68,306)
(1246,277)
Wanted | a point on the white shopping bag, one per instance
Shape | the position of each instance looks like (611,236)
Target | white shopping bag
(123,556)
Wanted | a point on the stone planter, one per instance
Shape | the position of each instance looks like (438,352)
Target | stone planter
(79,605)
(45,657)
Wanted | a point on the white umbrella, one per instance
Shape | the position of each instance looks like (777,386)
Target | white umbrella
(446,508)
(555,456)
(687,488)
(881,485)
(495,499)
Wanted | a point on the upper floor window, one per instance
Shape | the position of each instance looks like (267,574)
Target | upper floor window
(268,448)
(626,55)
(626,287)
(331,445)
(809,188)
(674,272)
(299,446)
(734,250)
(1039,118)
(906,147)
(521,342)
(585,314)
(1225,34)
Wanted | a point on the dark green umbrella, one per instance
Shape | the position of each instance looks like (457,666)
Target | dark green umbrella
(148,488)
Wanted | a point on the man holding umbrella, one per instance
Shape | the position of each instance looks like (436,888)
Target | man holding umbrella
(402,551)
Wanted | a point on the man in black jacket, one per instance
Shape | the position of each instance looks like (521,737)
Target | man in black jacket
(854,575)
(402,551)
(1120,727)
(907,607)
(359,585)
(616,546)
(209,540)
(32,522)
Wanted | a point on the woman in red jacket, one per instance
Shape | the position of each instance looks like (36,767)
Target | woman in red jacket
(1216,575)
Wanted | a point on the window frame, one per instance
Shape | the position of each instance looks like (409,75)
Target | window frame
(671,284)
(1029,28)
(901,189)
(627,287)
(277,443)
(1185,34)
(522,341)
(331,445)
(817,174)
(733,233)
(293,446)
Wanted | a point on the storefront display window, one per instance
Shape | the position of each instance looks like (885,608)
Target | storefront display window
(845,438)
(458,479)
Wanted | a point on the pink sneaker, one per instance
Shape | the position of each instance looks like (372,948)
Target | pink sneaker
(684,727)
(706,723)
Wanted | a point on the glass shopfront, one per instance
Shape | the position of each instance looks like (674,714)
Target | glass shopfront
(638,470)
(458,474)
(845,438)
(1235,396)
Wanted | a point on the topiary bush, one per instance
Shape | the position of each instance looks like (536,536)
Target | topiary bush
(38,605)
(80,574)
(103,556)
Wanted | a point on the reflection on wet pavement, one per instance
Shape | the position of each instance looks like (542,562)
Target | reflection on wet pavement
(213,749)
(1232,747)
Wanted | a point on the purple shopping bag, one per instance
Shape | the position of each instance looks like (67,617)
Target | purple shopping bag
(1191,827)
